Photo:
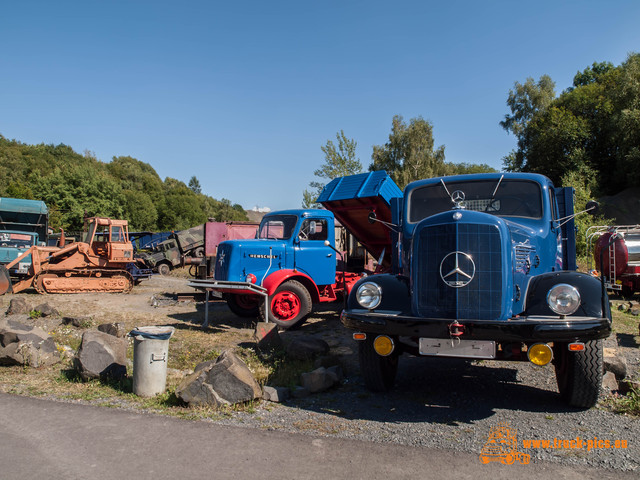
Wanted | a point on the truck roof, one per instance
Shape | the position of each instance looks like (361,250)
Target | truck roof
(22,205)
(300,212)
(536,177)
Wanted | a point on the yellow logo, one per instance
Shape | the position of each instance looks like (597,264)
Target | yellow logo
(502,446)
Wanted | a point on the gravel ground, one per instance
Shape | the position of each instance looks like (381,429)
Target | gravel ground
(442,403)
(453,404)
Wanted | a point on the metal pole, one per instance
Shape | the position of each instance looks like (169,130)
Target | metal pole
(206,309)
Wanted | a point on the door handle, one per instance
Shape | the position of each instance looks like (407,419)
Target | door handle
(329,255)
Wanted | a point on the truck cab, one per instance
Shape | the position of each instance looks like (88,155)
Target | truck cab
(292,261)
(483,268)
(12,245)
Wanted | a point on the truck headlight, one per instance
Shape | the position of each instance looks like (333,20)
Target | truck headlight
(563,299)
(369,295)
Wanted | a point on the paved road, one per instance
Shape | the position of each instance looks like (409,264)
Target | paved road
(41,439)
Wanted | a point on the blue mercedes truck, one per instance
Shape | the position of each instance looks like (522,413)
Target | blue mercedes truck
(483,267)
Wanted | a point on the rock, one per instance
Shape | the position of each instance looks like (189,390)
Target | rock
(304,348)
(299,392)
(617,365)
(224,381)
(18,305)
(275,394)
(101,356)
(336,370)
(46,310)
(626,386)
(635,312)
(78,322)
(116,329)
(267,337)
(318,380)
(609,382)
(26,345)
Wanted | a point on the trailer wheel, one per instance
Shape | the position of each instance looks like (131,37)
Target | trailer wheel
(164,269)
(579,374)
(245,306)
(379,372)
(290,304)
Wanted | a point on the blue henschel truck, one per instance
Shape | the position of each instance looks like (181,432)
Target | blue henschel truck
(475,266)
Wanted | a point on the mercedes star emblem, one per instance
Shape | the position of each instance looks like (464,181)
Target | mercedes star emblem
(221,259)
(458,197)
(459,267)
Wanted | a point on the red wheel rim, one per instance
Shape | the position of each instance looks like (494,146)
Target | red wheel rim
(285,305)
(247,301)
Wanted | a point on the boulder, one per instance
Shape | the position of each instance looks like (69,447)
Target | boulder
(18,306)
(267,337)
(304,348)
(609,382)
(224,381)
(26,345)
(275,394)
(116,329)
(46,310)
(318,380)
(101,356)
(78,322)
(617,365)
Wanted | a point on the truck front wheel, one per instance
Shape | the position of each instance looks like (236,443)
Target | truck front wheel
(164,269)
(379,372)
(289,304)
(245,306)
(579,374)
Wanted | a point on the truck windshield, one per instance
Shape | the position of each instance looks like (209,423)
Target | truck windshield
(509,198)
(277,227)
(16,240)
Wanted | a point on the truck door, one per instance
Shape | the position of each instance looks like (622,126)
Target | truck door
(312,256)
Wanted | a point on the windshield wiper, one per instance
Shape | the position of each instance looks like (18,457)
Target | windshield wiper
(493,195)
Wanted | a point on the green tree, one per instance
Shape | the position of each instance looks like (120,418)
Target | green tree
(339,161)
(194,185)
(525,101)
(410,154)
(592,127)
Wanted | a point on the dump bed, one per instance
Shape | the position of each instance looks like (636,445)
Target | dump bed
(352,198)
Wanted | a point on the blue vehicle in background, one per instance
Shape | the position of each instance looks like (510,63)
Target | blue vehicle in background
(23,224)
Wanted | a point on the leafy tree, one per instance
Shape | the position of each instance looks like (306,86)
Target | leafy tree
(340,161)
(525,100)
(409,154)
(592,127)
(194,185)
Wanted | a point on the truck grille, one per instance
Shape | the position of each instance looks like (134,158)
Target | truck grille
(481,298)
(223,258)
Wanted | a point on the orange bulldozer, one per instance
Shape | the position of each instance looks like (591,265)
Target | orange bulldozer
(98,264)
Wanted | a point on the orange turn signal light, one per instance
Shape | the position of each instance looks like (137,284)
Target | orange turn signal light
(359,336)
(576,347)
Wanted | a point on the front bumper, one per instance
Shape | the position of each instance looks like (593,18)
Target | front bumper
(520,329)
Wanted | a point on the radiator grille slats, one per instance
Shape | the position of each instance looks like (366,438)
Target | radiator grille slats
(482,297)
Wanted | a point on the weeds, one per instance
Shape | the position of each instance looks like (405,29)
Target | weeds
(628,404)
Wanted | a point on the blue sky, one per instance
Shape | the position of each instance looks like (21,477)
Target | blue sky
(243,94)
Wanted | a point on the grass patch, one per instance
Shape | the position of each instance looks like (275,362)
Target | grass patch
(628,404)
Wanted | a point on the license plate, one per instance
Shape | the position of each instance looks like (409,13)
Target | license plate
(457,348)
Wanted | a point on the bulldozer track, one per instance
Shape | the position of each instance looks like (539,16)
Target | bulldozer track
(83,281)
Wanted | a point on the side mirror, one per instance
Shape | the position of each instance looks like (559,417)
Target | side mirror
(312,227)
(593,207)
(372,217)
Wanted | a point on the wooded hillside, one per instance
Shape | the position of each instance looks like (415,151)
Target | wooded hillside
(73,185)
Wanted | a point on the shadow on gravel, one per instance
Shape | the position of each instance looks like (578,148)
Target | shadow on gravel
(447,391)
(219,316)
(626,340)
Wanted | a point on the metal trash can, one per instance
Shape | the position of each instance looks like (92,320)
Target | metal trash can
(150,355)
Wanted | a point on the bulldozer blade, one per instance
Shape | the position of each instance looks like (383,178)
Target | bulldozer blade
(5,281)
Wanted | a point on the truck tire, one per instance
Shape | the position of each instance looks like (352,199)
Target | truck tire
(579,374)
(379,372)
(164,269)
(289,305)
(245,306)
